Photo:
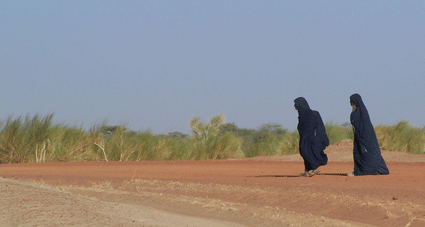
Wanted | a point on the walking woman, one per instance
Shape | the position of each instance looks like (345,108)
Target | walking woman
(367,155)
(313,138)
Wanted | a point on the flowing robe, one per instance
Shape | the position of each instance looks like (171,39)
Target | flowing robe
(313,137)
(366,152)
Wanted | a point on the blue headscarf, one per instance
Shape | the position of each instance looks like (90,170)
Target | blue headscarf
(304,114)
(301,104)
(367,155)
(313,138)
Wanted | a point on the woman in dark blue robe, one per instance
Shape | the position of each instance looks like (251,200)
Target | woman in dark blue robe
(367,155)
(313,138)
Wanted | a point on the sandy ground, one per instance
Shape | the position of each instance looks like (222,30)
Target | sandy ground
(260,191)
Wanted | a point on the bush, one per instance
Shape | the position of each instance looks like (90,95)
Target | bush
(289,143)
(338,132)
(266,141)
(70,144)
(25,140)
(208,143)
(401,137)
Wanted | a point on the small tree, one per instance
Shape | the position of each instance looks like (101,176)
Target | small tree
(208,143)
(98,139)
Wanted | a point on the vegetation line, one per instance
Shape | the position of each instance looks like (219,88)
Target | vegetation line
(37,139)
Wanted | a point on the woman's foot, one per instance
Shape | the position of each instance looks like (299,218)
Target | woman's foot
(351,174)
(315,172)
(305,174)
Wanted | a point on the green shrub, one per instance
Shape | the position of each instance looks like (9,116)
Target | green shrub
(289,143)
(208,143)
(25,140)
(266,141)
(70,144)
(338,132)
(401,137)
(179,147)
(262,144)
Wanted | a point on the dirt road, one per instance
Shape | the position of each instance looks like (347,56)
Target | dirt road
(248,192)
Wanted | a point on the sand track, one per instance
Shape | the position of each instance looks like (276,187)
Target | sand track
(248,192)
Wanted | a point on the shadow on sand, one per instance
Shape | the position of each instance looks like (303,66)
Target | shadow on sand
(325,174)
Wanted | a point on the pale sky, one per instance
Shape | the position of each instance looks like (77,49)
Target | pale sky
(156,64)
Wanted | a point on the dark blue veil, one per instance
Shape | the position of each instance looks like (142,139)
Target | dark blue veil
(367,155)
(313,138)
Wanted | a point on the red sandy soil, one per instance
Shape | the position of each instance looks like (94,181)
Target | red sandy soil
(248,192)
